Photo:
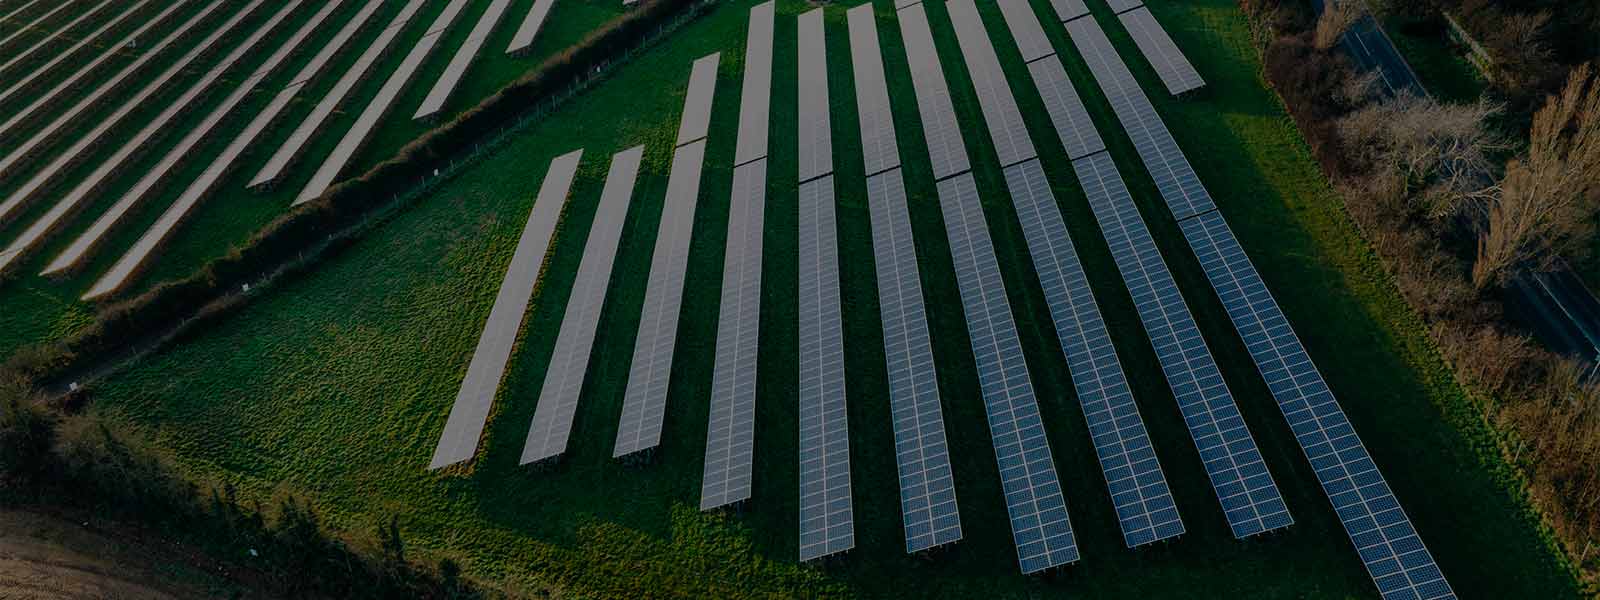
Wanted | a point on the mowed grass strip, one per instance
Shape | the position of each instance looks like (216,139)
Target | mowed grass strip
(336,384)
(34,309)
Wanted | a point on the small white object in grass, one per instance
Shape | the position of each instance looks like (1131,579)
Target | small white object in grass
(244,287)
(435,172)
(72,386)
(253,552)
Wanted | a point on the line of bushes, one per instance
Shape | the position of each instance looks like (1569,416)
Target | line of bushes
(1423,225)
(320,226)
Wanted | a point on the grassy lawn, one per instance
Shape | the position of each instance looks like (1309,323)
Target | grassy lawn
(335,385)
(38,309)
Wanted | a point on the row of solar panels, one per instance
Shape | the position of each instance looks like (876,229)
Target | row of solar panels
(1040,525)
(42,167)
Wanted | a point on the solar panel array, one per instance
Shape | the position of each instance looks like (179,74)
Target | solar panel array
(1038,512)
(291,148)
(25,6)
(82,41)
(34,23)
(433,103)
(131,260)
(459,441)
(1068,10)
(1384,537)
(52,35)
(1171,66)
(1250,499)
(928,507)
(1139,491)
(827,520)
(522,40)
(1067,113)
(368,120)
(946,150)
(644,403)
(569,361)
(730,436)
(1121,6)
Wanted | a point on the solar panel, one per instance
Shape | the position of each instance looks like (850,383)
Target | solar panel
(1250,499)
(85,40)
(730,436)
(569,361)
(946,151)
(1174,177)
(922,454)
(1068,10)
(121,271)
(879,149)
(826,519)
(522,40)
(1026,30)
(75,153)
(1006,128)
(644,403)
(1038,510)
(1175,71)
(696,120)
(433,103)
(368,120)
(1119,6)
(470,413)
(815,128)
(10,15)
(756,96)
(290,150)
(1139,491)
(1383,536)
(81,71)
(333,46)
(55,32)
(34,23)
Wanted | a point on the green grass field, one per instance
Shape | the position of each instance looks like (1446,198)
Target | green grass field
(39,309)
(335,385)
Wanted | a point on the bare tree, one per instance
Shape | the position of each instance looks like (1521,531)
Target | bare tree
(1337,17)
(1547,202)
(1438,154)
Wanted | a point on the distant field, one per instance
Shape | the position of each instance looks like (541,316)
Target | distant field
(336,384)
(34,309)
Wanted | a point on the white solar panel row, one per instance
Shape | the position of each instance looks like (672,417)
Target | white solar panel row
(74,153)
(60,31)
(1067,113)
(730,434)
(880,151)
(815,126)
(1174,177)
(946,150)
(459,441)
(36,22)
(25,6)
(125,266)
(644,403)
(433,103)
(1174,69)
(70,50)
(320,61)
(1120,6)
(1384,537)
(826,518)
(1006,129)
(569,361)
(1250,499)
(81,71)
(755,97)
(696,121)
(1038,511)
(922,454)
(1068,10)
(312,124)
(1140,494)
(353,139)
(522,40)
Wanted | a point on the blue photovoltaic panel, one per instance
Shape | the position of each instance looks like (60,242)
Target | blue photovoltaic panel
(1383,536)
(1174,69)
(1179,186)
(1038,510)
(927,488)
(730,435)
(815,128)
(826,520)
(1068,10)
(946,150)
(1245,488)
(1067,113)
(1006,128)
(755,98)
(1026,30)
(1139,491)
(878,147)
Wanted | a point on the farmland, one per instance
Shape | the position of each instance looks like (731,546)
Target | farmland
(334,385)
